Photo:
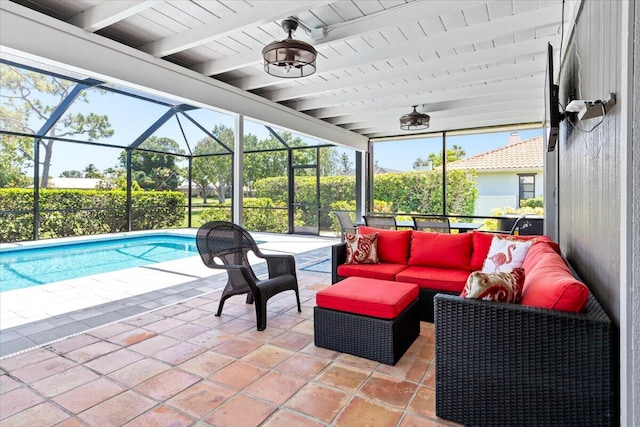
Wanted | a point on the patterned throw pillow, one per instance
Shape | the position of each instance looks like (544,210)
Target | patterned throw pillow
(505,253)
(505,286)
(362,248)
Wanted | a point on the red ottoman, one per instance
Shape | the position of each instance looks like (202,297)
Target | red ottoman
(370,318)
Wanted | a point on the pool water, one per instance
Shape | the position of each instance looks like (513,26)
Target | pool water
(22,268)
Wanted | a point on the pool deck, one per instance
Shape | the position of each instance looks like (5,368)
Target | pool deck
(32,317)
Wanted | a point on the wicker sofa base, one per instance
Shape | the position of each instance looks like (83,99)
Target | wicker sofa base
(382,340)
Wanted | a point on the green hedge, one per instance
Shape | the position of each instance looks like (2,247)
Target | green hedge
(83,212)
(258,214)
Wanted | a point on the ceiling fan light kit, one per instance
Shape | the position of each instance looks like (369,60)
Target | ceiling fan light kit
(414,120)
(289,58)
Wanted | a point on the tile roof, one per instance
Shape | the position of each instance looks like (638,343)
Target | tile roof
(527,154)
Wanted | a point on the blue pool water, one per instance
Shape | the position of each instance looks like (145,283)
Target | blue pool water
(22,268)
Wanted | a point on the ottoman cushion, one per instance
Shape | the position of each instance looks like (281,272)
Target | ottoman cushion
(369,297)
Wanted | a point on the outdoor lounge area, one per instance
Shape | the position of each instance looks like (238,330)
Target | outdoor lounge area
(445,195)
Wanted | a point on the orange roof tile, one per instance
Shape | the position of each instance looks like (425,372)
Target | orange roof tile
(527,154)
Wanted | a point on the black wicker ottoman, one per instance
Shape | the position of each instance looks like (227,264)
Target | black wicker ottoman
(374,319)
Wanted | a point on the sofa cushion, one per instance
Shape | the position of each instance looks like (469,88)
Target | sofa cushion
(441,250)
(505,254)
(437,279)
(551,284)
(503,286)
(538,251)
(393,245)
(482,242)
(383,270)
(377,298)
(362,248)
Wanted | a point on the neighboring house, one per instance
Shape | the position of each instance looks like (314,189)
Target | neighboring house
(74,183)
(507,175)
(196,191)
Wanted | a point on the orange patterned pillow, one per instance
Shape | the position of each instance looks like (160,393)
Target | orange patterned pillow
(503,286)
(362,248)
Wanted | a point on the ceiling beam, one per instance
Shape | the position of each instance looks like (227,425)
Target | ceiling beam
(260,13)
(108,13)
(528,49)
(491,30)
(344,31)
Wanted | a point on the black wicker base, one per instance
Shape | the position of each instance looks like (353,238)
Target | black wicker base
(382,340)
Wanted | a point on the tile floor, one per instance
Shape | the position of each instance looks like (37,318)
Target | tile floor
(180,365)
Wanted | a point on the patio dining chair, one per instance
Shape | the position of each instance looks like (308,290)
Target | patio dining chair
(387,222)
(524,226)
(433,223)
(346,224)
(224,245)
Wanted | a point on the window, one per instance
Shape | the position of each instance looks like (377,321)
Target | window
(527,189)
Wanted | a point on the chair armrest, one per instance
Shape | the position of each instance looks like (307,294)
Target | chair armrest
(558,365)
(280,264)
(338,257)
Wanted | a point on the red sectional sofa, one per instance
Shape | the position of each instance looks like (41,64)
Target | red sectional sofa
(547,361)
(442,262)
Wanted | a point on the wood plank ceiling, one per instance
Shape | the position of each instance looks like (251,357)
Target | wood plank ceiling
(466,63)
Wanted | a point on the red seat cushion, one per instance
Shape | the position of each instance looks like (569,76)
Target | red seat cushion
(376,298)
(393,245)
(441,250)
(437,279)
(382,271)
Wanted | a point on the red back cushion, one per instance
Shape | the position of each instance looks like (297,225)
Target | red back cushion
(550,284)
(393,245)
(442,250)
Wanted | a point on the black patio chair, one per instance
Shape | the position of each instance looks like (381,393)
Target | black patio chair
(346,224)
(387,222)
(225,245)
(433,223)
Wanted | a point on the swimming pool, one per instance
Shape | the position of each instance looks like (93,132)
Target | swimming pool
(26,267)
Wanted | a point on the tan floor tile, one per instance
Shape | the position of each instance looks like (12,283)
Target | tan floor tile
(92,351)
(210,338)
(17,400)
(411,420)
(237,326)
(187,331)
(238,375)
(304,327)
(206,363)
(283,321)
(201,398)
(429,379)
(424,402)
(390,390)
(343,377)
(43,369)
(361,412)
(167,384)
(268,356)
(318,401)
(357,362)
(302,365)
(88,395)
(72,422)
(29,358)
(65,380)
(132,336)
(192,314)
(293,341)
(114,361)
(138,372)
(179,353)
(238,347)
(153,345)
(44,414)
(408,368)
(164,325)
(161,416)
(7,384)
(72,343)
(118,410)
(235,413)
(283,418)
(275,387)
(265,336)
(112,330)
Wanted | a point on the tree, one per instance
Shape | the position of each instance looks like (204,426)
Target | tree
(155,170)
(345,163)
(213,170)
(71,174)
(13,161)
(29,99)
(91,171)
(453,154)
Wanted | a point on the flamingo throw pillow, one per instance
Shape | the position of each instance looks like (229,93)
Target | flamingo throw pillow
(504,254)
